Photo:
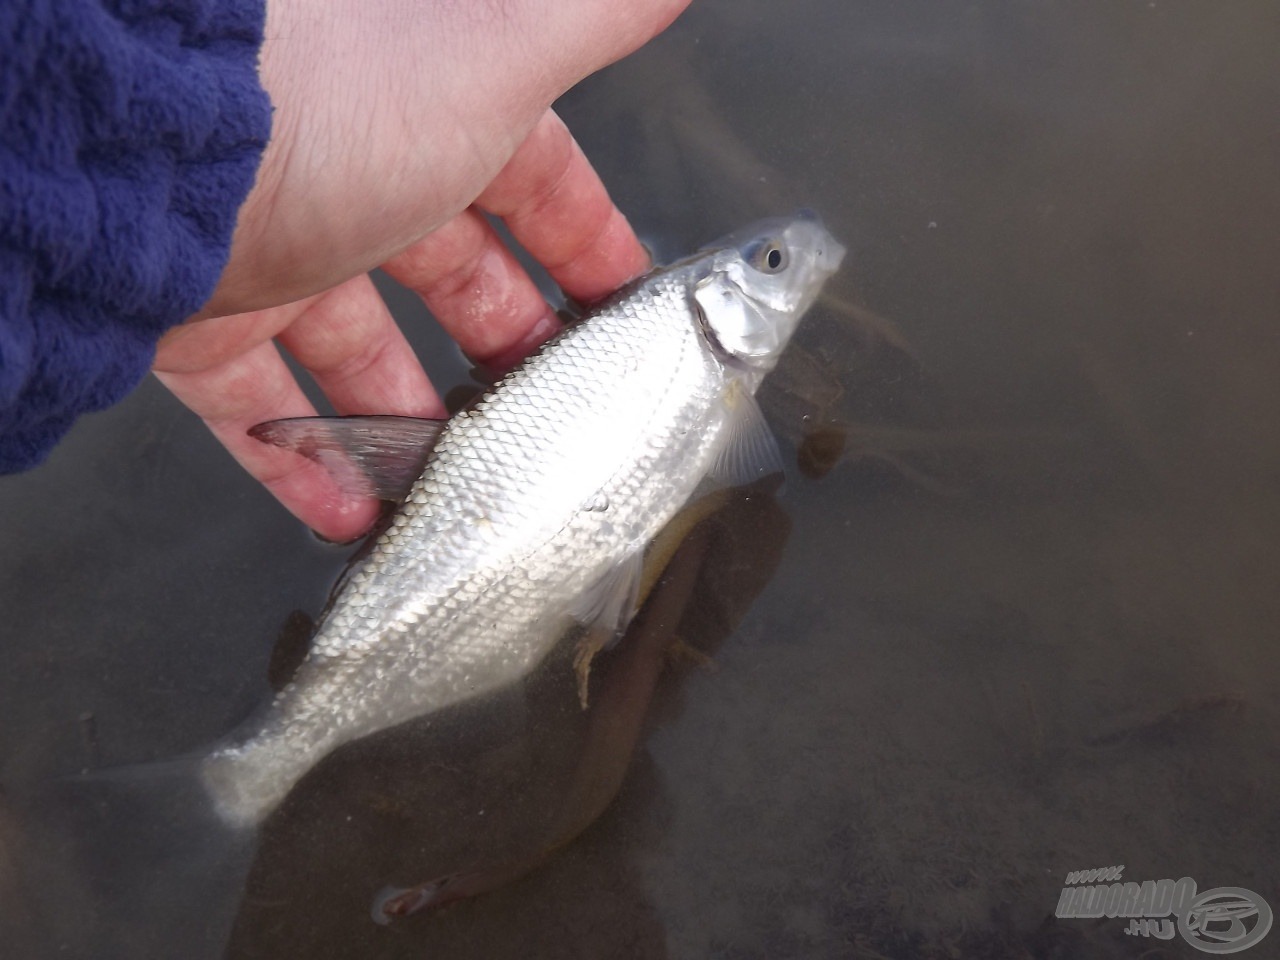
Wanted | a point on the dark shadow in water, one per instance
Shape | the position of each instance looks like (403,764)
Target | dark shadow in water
(396,828)
(23,925)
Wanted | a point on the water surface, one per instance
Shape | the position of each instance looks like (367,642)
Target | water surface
(1021,619)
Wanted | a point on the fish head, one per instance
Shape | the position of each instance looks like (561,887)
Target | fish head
(759,282)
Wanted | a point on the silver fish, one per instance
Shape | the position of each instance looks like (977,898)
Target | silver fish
(535,506)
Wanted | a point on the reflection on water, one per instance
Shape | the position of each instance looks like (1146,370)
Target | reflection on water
(1023,622)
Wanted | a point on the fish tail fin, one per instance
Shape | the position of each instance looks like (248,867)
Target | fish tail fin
(160,772)
(141,849)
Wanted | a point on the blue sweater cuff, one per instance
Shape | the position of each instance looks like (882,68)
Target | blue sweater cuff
(130,134)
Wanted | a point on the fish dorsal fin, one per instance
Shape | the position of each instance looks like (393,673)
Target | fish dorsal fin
(748,450)
(368,456)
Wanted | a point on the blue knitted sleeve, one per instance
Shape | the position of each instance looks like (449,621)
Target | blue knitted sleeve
(130,133)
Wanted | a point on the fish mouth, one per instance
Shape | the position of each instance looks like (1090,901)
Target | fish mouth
(833,252)
(829,252)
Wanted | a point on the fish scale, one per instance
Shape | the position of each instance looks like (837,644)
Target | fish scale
(558,477)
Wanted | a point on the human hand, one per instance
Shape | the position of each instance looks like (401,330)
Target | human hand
(396,125)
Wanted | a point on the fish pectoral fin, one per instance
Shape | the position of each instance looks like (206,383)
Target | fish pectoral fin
(609,604)
(368,456)
(748,450)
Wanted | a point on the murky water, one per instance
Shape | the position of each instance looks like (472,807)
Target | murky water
(1013,614)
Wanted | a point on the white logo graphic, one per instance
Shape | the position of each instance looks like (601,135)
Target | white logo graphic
(1221,920)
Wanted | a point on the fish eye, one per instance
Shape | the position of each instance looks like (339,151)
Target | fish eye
(768,256)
